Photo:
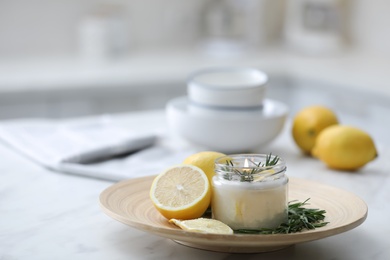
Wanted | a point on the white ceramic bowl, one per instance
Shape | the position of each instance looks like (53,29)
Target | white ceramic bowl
(225,130)
(227,87)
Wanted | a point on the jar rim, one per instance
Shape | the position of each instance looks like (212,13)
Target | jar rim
(253,165)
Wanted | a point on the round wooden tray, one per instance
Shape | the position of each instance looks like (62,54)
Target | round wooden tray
(128,202)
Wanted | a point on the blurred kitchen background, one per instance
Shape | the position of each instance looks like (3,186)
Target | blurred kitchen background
(65,58)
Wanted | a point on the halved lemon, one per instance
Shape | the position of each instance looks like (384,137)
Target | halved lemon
(203,225)
(181,192)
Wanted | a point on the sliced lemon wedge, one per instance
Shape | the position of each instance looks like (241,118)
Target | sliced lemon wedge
(203,225)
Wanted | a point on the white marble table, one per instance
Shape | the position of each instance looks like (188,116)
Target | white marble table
(49,215)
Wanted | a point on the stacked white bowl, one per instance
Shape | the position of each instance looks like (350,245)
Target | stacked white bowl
(226,110)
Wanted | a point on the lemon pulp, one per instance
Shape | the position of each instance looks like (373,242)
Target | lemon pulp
(181,192)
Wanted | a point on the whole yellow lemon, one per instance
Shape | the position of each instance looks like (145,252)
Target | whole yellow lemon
(308,123)
(205,161)
(344,147)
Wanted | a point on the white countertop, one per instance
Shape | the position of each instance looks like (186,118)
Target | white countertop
(49,215)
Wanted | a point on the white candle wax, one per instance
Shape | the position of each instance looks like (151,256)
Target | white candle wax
(249,192)
(246,205)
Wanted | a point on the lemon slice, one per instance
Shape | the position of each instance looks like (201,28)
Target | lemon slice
(264,174)
(181,192)
(203,225)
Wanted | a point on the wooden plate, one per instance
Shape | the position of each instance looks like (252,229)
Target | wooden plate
(128,202)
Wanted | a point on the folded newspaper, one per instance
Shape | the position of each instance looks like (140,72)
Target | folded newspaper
(97,149)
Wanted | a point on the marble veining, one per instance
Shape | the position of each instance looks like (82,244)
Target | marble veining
(49,215)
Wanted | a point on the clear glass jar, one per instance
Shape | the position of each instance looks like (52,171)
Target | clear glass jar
(248,194)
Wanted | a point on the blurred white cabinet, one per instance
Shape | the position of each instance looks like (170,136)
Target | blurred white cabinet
(75,102)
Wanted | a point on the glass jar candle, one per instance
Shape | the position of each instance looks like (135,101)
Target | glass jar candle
(250,191)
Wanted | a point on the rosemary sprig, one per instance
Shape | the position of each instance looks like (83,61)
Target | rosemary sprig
(269,162)
(299,218)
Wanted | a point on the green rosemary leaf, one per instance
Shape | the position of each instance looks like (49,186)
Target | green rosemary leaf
(299,218)
(247,176)
(269,162)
